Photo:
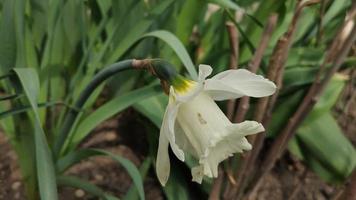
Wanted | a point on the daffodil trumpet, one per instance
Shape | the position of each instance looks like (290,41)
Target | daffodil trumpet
(194,124)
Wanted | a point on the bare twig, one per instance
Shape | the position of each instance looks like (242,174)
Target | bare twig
(215,190)
(338,193)
(244,102)
(350,191)
(335,56)
(255,64)
(265,105)
(320,21)
(234,51)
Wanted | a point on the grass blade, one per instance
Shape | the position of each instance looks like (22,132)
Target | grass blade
(109,109)
(153,108)
(145,166)
(45,170)
(22,109)
(179,49)
(226,4)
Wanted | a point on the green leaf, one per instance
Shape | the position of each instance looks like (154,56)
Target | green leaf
(22,109)
(306,22)
(298,76)
(226,4)
(109,109)
(130,39)
(323,141)
(19,20)
(153,108)
(179,49)
(319,138)
(285,107)
(7,37)
(254,31)
(191,10)
(29,81)
(132,193)
(246,38)
(76,156)
(335,9)
(176,187)
(329,97)
(304,56)
(134,33)
(85,185)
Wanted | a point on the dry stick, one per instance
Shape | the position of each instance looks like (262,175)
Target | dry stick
(349,192)
(215,190)
(234,51)
(255,64)
(275,73)
(320,21)
(276,63)
(341,45)
(244,102)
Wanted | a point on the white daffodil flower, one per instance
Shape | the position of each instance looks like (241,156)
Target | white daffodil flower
(193,123)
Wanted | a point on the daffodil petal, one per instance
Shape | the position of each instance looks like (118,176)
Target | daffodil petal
(182,140)
(204,71)
(233,84)
(197,174)
(246,128)
(167,126)
(162,163)
(233,142)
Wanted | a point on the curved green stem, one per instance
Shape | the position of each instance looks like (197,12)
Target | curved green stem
(73,113)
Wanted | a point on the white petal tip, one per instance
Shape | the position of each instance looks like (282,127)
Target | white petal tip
(204,71)
(163,183)
(197,174)
(162,177)
(197,180)
(180,156)
(247,146)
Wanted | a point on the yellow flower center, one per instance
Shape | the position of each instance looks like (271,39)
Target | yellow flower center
(184,86)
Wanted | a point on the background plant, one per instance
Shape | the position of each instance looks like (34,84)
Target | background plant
(51,50)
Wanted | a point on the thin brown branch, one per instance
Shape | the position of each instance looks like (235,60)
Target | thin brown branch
(320,21)
(266,104)
(350,190)
(254,65)
(215,189)
(335,56)
(234,51)
(244,102)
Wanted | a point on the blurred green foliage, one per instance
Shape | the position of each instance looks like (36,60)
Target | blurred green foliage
(53,48)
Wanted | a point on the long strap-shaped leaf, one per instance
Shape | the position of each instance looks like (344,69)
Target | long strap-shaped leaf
(77,156)
(25,108)
(85,185)
(109,109)
(173,42)
(179,49)
(45,170)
